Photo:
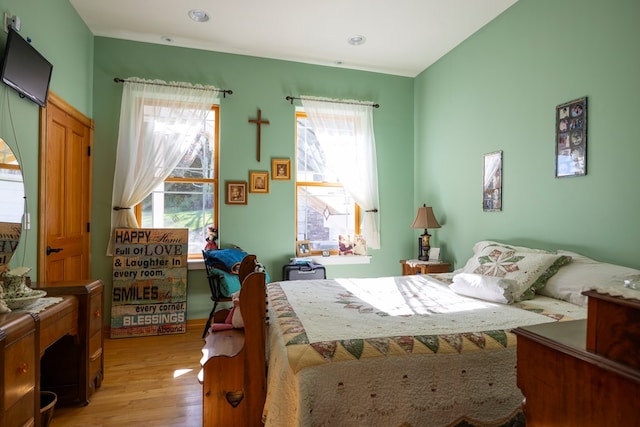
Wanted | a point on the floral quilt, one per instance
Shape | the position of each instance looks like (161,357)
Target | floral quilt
(394,351)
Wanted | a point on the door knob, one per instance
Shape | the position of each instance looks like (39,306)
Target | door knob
(51,250)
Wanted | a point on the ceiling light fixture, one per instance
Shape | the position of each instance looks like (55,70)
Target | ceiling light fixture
(356,40)
(198,15)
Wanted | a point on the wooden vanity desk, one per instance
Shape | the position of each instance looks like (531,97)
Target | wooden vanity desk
(55,349)
(25,337)
(73,367)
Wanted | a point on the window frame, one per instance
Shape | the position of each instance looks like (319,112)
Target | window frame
(213,181)
(356,226)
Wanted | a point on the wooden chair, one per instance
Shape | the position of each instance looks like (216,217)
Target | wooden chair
(234,377)
(247,266)
(215,289)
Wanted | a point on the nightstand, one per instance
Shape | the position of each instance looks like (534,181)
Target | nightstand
(414,266)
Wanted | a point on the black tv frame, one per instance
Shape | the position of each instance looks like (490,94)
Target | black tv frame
(24,69)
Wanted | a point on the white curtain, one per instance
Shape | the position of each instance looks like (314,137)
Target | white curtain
(345,131)
(158,122)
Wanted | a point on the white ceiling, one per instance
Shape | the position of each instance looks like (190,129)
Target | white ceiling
(403,37)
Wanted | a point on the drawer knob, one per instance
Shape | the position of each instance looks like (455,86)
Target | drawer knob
(23,368)
(97,313)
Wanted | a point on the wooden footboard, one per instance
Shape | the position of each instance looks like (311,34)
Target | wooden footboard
(234,376)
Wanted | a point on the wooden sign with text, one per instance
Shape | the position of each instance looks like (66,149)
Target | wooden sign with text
(149,282)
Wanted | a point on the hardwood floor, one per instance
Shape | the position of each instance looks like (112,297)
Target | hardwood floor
(148,381)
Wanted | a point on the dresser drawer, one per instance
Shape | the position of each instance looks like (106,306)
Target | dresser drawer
(19,370)
(21,414)
(95,347)
(410,268)
(95,313)
(59,320)
(95,362)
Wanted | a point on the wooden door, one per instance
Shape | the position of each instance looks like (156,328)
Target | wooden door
(64,244)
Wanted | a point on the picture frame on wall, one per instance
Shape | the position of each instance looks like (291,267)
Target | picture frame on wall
(281,169)
(492,182)
(571,138)
(236,192)
(259,182)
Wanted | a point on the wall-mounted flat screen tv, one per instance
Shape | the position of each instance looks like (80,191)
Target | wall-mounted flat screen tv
(25,69)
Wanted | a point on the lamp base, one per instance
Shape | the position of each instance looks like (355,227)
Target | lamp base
(423,246)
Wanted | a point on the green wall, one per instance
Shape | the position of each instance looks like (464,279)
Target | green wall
(498,91)
(495,91)
(266,225)
(58,33)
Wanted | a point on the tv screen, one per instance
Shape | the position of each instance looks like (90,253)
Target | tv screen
(25,70)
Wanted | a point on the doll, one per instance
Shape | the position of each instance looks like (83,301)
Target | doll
(212,237)
(234,317)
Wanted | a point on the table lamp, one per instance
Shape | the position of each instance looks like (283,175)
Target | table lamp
(424,219)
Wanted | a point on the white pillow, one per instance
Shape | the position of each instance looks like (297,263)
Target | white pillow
(484,243)
(582,274)
(488,288)
(530,269)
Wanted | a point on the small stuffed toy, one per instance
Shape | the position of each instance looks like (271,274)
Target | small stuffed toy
(212,237)
(234,318)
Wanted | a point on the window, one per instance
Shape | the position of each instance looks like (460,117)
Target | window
(188,197)
(324,209)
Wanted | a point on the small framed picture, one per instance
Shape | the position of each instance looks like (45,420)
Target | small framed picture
(492,182)
(259,182)
(236,192)
(280,169)
(571,138)
(303,248)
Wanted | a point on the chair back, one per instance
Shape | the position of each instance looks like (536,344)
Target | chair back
(215,282)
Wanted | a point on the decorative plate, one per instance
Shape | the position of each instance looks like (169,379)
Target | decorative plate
(18,303)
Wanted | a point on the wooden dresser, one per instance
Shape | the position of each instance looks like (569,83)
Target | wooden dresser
(583,372)
(63,342)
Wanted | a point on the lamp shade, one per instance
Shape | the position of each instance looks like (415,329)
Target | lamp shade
(425,218)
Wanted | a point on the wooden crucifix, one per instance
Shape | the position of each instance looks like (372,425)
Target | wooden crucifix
(259,122)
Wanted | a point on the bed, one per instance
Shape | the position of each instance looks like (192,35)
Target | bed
(411,350)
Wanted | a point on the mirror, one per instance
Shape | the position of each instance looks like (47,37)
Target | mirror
(12,200)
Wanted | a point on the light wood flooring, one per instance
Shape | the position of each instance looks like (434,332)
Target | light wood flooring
(148,381)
